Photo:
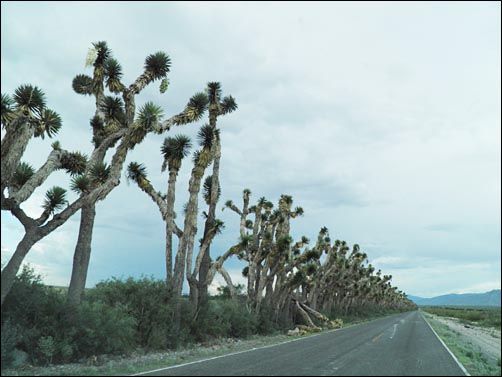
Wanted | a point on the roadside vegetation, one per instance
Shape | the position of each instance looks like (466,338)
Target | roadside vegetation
(305,284)
(470,355)
(477,316)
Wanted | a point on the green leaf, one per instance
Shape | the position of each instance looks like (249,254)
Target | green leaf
(80,184)
(55,199)
(49,123)
(82,84)
(157,65)
(22,174)
(30,98)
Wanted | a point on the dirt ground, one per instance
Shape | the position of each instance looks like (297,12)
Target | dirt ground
(487,339)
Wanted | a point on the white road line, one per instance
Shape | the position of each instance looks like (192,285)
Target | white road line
(250,350)
(394,331)
(237,353)
(445,346)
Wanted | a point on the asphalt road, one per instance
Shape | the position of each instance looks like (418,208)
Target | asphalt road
(400,345)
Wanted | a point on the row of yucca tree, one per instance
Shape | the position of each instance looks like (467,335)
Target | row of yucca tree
(291,278)
(295,278)
(115,120)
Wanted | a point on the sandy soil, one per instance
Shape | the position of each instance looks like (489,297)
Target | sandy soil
(487,339)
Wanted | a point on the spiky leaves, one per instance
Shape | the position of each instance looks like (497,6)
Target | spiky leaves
(82,84)
(7,109)
(29,99)
(113,74)
(80,184)
(99,172)
(175,149)
(49,123)
(206,136)
(55,199)
(214,91)
(103,53)
(194,110)
(157,65)
(113,108)
(22,174)
(207,187)
(136,172)
(150,115)
(74,163)
(227,105)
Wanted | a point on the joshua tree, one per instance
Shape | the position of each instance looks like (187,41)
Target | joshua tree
(115,120)
(174,149)
(23,117)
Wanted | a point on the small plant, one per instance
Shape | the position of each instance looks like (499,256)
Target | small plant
(47,347)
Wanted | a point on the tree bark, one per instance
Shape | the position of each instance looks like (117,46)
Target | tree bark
(82,254)
(10,270)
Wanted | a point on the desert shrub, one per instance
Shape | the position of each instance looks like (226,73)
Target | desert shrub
(37,320)
(148,301)
(9,341)
(224,318)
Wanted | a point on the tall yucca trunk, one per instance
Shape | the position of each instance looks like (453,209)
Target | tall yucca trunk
(82,254)
(170,223)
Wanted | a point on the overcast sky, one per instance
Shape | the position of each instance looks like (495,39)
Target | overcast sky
(382,120)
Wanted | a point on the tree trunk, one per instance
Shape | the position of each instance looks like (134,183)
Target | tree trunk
(82,254)
(11,269)
(170,223)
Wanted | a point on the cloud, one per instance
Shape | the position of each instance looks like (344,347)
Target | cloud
(383,131)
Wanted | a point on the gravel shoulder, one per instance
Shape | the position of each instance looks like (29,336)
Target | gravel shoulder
(488,340)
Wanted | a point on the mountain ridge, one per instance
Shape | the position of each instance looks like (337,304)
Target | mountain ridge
(490,298)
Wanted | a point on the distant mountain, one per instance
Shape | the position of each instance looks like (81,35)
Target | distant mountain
(491,298)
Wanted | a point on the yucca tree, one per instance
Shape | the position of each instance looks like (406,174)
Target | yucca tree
(218,106)
(116,120)
(25,116)
(174,150)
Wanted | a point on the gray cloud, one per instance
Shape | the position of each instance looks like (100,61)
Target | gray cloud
(386,132)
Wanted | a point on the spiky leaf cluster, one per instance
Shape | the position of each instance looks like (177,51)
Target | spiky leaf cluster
(55,199)
(30,99)
(56,145)
(136,172)
(74,163)
(227,105)
(157,65)
(80,184)
(22,174)
(113,75)
(206,136)
(82,84)
(113,109)
(7,109)
(214,91)
(99,172)
(49,123)
(174,150)
(194,110)
(103,53)
(150,115)
(207,187)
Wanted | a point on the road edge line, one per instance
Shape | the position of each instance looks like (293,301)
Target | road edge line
(254,349)
(445,346)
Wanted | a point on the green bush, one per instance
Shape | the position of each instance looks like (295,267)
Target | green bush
(148,301)
(9,340)
(36,319)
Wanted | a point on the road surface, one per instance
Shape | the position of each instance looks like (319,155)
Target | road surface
(400,345)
